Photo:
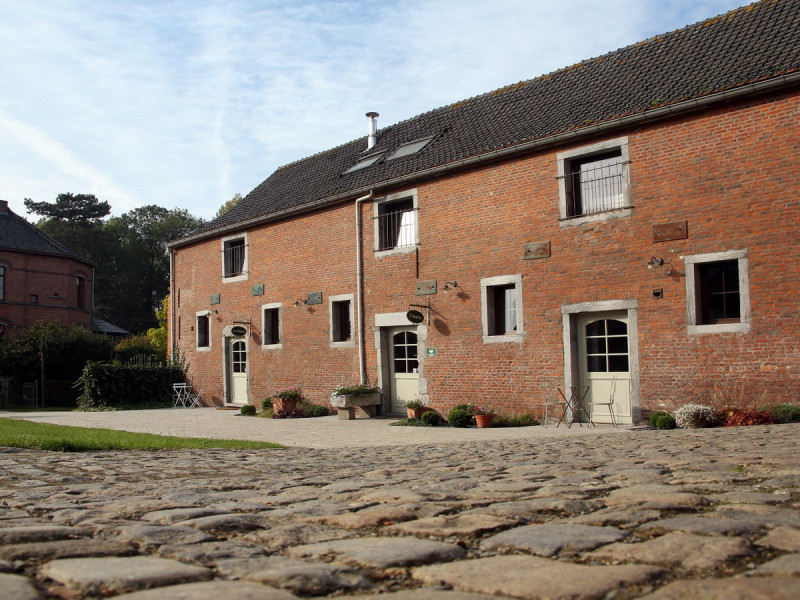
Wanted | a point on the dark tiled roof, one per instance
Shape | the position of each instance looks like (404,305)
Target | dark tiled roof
(101,326)
(747,45)
(17,234)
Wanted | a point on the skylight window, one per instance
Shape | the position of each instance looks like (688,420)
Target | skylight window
(365,162)
(409,148)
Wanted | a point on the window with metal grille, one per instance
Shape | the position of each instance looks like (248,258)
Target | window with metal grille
(272,326)
(340,321)
(203,337)
(718,284)
(595,184)
(397,224)
(234,257)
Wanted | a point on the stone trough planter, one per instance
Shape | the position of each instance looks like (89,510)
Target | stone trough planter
(363,406)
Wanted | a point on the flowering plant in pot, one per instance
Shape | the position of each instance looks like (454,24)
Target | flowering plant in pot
(415,409)
(287,399)
(483,415)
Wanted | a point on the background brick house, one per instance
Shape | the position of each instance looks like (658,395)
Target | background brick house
(629,221)
(40,278)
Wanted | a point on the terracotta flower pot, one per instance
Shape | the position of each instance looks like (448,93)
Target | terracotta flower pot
(483,421)
(416,413)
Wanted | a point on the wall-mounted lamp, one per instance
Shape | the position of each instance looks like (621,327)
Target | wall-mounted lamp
(449,285)
(300,302)
(654,262)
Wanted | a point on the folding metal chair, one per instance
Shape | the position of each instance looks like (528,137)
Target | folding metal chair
(193,398)
(610,403)
(180,394)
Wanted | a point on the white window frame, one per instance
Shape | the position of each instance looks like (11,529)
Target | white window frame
(197,315)
(379,208)
(487,308)
(353,333)
(692,299)
(245,271)
(271,306)
(565,158)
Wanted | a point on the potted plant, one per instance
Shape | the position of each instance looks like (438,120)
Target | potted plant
(483,416)
(287,399)
(361,399)
(415,409)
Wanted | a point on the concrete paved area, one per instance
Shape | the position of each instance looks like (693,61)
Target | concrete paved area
(320,432)
(360,508)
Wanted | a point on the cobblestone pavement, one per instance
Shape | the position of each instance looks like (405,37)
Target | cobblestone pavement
(634,514)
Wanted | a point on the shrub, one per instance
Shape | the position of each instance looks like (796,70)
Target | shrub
(139,346)
(695,415)
(248,410)
(412,404)
(782,413)
(106,387)
(523,420)
(430,418)
(460,416)
(655,416)
(736,418)
(663,420)
(293,393)
(313,410)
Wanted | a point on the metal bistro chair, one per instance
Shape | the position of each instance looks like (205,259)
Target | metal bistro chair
(179,394)
(193,398)
(610,402)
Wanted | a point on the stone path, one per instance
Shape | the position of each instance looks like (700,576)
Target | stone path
(630,514)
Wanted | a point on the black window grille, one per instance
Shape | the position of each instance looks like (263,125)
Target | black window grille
(595,184)
(234,254)
(397,225)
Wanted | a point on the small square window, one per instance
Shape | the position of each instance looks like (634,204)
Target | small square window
(34,299)
(203,331)
(501,308)
(718,292)
(271,325)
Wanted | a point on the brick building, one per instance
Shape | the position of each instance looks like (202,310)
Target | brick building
(40,278)
(629,221)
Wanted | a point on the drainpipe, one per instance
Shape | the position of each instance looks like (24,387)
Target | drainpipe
(171,336)
(359,293)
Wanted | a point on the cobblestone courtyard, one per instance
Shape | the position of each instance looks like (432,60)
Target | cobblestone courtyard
(631,514)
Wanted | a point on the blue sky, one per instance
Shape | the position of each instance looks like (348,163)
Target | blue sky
(183,103)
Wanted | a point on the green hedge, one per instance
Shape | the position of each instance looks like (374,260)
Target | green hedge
(108,387)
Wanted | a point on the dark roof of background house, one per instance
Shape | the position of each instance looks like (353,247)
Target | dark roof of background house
(101,326)
(18,234)
(750,44)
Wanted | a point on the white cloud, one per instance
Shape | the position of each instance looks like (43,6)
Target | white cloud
(188,102)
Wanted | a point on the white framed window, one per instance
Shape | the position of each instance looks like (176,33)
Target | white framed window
(396,223)
(594,182)
(203,331)
(234,258)
(717,292)
(272,338)
(501,309)
(342,332)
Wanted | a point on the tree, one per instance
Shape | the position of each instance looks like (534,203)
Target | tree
(159,335)
(74,220)
(228,205)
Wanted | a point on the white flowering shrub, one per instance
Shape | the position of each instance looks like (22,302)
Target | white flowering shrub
(695,415)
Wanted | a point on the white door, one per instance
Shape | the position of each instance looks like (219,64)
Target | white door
(237,370)
(605,364)
(404,365)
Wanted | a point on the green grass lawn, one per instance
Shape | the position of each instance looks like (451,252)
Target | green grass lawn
(24,434)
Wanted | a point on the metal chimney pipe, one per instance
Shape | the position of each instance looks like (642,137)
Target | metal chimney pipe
(372,135)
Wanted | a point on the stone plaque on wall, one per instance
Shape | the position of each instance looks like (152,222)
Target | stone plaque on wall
(675,230)
(426,287)
(536,250)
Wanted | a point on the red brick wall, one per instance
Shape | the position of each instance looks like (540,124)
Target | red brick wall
(53,280)
(731,173)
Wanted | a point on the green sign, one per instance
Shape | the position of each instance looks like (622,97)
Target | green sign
(430,351)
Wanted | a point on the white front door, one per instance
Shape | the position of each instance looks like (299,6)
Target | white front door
(237,370)
(404,365)
(605,364)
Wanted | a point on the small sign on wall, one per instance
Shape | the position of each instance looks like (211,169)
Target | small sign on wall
(314,297)
(214,299)
(430,351)
(258,289)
